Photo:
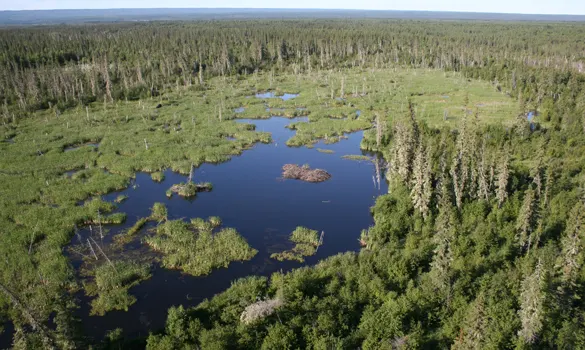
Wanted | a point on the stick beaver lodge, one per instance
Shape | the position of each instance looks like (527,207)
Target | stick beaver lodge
(304,173)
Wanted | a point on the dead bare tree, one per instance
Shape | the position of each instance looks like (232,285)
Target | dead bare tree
(27,314)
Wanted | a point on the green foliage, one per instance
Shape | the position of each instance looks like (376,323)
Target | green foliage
(111,284)
(159,212)
(78,124)
(306,243)
(189,189)
(197,250)
(455,278)
(120,198)
(158,176)
(137,226)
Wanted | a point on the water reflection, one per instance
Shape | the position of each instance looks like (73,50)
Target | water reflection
(271,94)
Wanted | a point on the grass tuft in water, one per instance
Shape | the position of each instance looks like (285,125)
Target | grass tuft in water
(157,176)
(137,226)
(196,249)
(307,241)
(189,189)
(159,212)
(120,198)
(111,284)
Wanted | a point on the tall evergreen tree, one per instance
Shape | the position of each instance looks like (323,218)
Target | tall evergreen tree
(532,300)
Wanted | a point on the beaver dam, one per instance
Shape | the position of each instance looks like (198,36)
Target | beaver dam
(304,173)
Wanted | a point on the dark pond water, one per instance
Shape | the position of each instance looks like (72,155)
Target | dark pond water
(6,335)
(248,195)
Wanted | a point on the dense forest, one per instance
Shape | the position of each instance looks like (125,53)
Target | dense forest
(478,244)
(67,65)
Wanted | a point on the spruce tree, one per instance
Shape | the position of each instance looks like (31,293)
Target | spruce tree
(532,300)
(571,258)
(502,180)
(526,219)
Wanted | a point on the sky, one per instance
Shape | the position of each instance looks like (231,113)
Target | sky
(573,7)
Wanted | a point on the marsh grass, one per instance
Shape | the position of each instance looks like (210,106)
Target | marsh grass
(121,198)
(189,189)
(159,212)
(137,226)
(111,283)
(134,136)
(196,248)
(158,176)
(306,243)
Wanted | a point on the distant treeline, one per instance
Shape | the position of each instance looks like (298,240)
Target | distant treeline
(62,66)
(77,16)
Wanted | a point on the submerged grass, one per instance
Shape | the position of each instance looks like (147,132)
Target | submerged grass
(196,249)
(326,151)
(307,241)
(357,157)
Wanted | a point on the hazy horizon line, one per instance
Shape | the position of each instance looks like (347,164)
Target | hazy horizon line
(291,9)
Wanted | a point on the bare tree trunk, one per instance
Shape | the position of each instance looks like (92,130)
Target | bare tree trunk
(91,248)
(104,254)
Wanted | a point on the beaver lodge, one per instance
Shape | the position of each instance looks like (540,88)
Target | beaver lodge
(304,173)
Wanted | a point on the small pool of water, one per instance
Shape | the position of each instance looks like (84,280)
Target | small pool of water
(239,110)
(271,94)
(76,147)
(249,195)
